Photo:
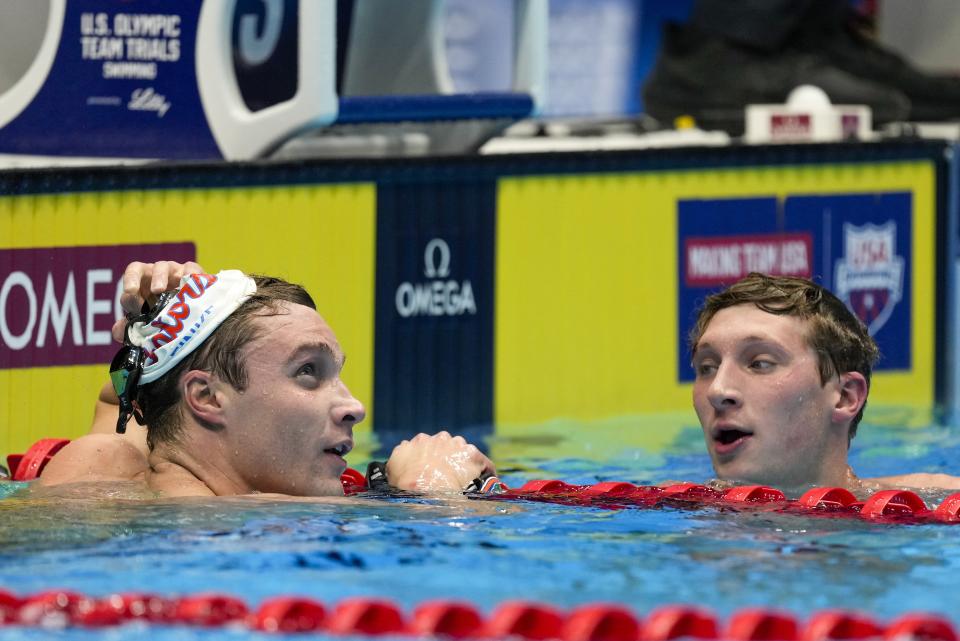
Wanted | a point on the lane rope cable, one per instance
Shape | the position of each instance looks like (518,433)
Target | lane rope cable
(518,619)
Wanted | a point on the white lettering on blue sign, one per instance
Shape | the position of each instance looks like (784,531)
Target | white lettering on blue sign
(133,45)
(134,70)
(147,99)
(439,296)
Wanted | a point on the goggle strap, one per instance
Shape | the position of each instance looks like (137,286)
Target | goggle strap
(147,314)
(122,422)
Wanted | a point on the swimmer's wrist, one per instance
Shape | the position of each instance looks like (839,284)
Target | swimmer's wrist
(377,476)
(486,483)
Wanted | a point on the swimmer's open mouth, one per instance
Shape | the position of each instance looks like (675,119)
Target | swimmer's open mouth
(340,450)
(726,437)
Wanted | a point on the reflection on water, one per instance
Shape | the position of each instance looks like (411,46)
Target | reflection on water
(411,550)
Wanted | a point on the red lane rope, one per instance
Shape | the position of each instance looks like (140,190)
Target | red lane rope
(519,619)
(894,506)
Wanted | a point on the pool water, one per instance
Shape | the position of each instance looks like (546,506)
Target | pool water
(412,549)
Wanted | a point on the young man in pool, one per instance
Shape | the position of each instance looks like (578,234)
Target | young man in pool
(782,377)
(238,381)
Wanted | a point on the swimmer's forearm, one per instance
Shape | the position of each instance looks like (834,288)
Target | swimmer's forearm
(105,414)
(922,481)
(108,395)
(105,411)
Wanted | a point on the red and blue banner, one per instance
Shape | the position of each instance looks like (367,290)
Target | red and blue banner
(856,245)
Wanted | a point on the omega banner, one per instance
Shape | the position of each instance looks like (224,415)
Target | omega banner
(434,310)
(57,304)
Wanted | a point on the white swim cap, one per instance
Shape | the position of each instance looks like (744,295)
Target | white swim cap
(189,318)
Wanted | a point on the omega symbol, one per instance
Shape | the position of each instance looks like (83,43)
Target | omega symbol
(431,269)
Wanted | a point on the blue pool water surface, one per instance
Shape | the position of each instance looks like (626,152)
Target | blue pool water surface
(411,550)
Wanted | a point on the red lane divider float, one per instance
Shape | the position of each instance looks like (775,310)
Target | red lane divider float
(27,466)
(894,506)
(526,620)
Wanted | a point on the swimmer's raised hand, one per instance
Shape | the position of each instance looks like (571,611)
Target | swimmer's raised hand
(144,282)
(438,463)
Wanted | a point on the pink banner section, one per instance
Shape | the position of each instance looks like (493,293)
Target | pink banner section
(57,304)
(721,260)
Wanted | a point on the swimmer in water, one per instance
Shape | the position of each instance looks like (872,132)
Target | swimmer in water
(782,373)
(238,382)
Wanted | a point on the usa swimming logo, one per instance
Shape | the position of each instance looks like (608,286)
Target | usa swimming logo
(869,277)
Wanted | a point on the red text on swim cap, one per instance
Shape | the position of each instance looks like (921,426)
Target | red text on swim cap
(194,288)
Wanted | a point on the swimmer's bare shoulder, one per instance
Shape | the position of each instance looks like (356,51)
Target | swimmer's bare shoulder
(95,457)
(918,481)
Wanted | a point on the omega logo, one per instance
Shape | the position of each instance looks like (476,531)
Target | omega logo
(436,297)
(430,265)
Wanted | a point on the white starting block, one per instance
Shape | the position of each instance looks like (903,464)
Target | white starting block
(807,116)
(398,95)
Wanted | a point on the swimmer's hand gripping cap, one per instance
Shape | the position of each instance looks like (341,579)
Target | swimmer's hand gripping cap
(200,305)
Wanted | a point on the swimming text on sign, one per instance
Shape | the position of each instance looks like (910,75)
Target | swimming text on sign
(130,44)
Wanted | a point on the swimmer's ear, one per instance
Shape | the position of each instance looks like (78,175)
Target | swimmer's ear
(199,391)
(853,396)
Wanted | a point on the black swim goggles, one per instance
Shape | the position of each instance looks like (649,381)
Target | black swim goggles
(127,366)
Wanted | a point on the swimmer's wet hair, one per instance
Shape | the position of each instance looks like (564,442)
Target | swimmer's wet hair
(219,354)
(841,341)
